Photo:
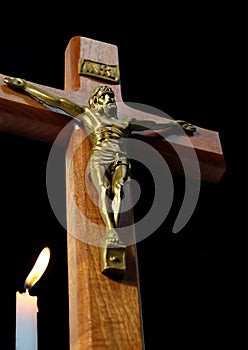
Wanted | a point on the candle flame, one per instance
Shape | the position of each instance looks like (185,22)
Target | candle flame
(38,268)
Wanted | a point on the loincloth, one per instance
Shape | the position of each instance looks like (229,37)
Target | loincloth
(109,157)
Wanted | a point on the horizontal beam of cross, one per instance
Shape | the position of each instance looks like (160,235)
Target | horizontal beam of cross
(37,122)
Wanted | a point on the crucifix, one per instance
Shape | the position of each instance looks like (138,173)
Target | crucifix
(104,311)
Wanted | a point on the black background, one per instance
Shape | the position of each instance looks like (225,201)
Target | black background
(188,60)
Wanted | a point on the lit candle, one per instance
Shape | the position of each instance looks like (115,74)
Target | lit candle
(26,306)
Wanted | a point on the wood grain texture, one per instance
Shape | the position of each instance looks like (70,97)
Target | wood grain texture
(37,122)
(21,115)
(104,313)
(94,50)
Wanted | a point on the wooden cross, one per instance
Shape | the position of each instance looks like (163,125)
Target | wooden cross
(104,312)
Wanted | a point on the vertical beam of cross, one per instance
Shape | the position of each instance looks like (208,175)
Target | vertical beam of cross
(104,312)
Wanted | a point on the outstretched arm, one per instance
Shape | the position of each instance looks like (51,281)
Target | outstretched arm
(45,97)
(148,124)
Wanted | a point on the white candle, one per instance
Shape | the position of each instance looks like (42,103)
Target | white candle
(26,306)
(26,321)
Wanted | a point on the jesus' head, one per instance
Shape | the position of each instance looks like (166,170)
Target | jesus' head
(102,100)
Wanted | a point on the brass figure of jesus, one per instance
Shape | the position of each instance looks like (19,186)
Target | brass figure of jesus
(109,166)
